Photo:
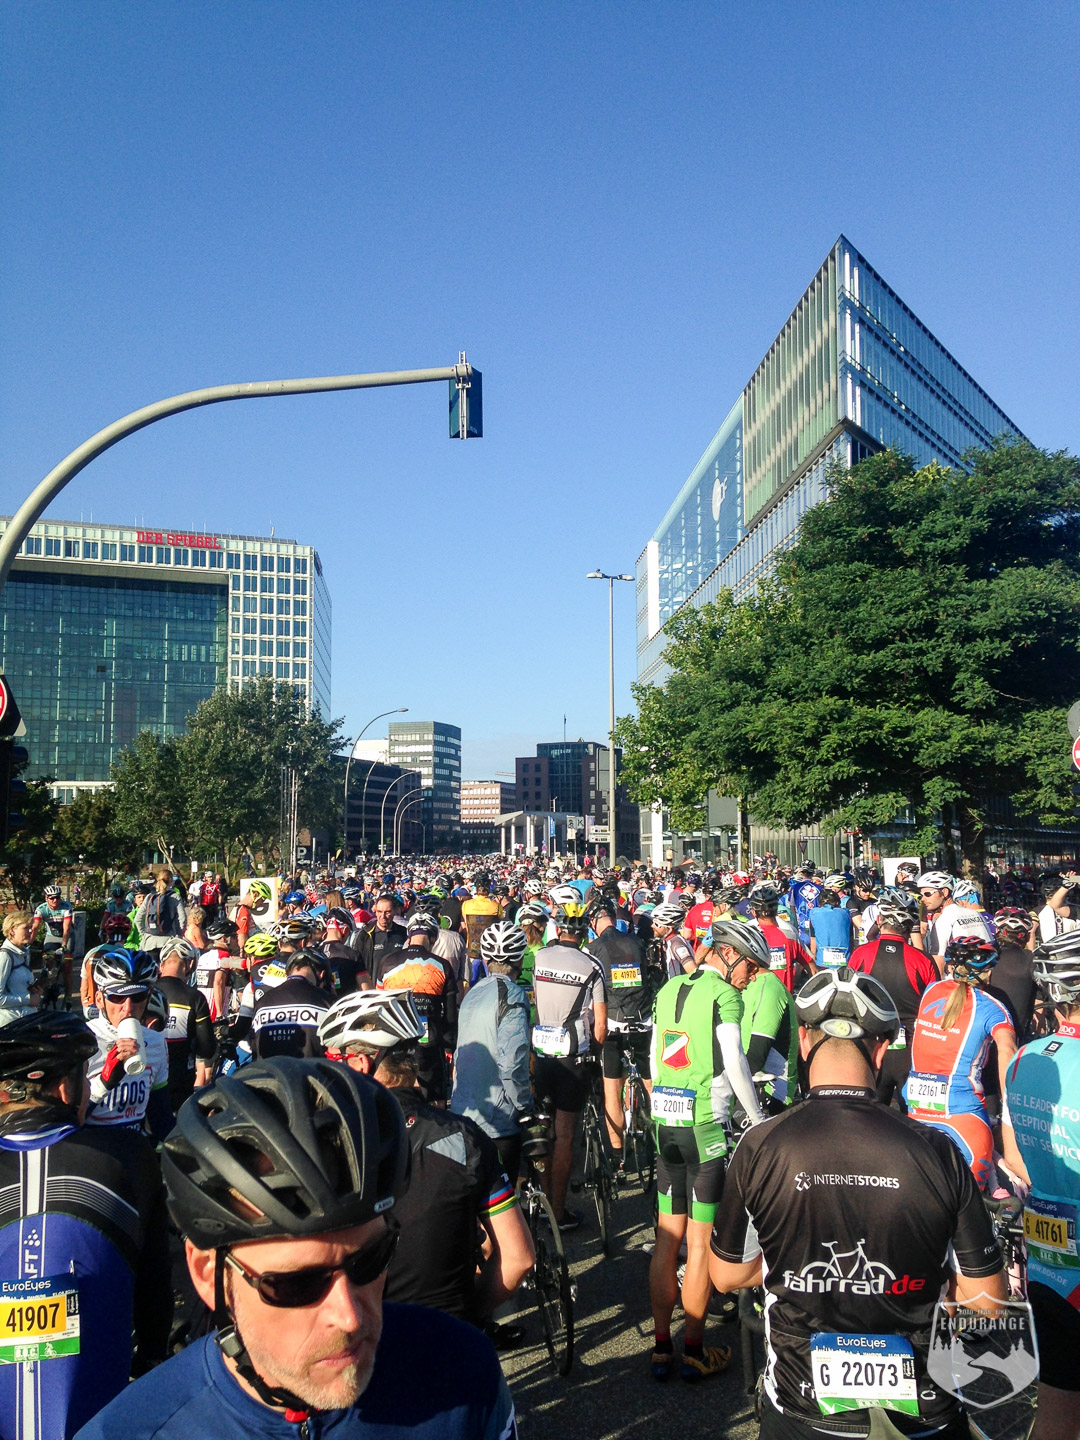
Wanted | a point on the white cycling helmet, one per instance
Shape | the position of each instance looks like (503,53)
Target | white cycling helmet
(935,880)
(847,1005)
(502,943)
(377,1019)
(669,914)
(1056,967)
(565,895)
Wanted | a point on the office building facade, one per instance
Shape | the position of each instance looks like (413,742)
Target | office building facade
(571,777)
(434,749)
(107,630)
(852,371)
(482,802)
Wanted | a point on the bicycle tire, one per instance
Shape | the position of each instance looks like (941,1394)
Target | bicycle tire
(551,1285)
(596,1163)
(644,1141)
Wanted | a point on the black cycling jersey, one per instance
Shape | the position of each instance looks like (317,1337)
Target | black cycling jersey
(629,995)
(1013,976)
(346,964)
(189,1035)
(286,1020)
(385,942)
(858,1213)
(456,1180)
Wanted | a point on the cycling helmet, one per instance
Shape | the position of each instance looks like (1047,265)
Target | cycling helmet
(294,930)
(1049,885)
(966,890)
(482,880)
(502,943)
(52,892)
(260,944)
(764,896)
(118,973)
(935,880)
(971,953)
(177,945)
(565,895)
(294,897)
(221,928)
(1056,969)
(847,1005)
(692,878)
(315,961)
(729,895)
(283,1148)
(748,940)
(1012,920)
(602,905)
(531,914)
(835,881)
(341,918)
(421,923)
(258,890)
(44,1046)
(430,903)
(534,887)
(669,914)
(156,1016)
(571,918)
(117,891)
(899,898)
(376,1019)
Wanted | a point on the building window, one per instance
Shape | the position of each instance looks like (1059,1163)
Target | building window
(284,565)
(108,551)
(283,627)
(249,647)
(266,583)
(232,560)
(71,549)
(266,562)
(266,667)
(251,562)
(32,545)
(299,607)
(251,604)
(299,627)
(234,647)
(283,672)
(89,550)
(234,667)
(266,607)
(236,602)
(300,648)
(266,627)
(283,585)
(217,559)
(180,557)
(251,627)
(52,547)
(301,567)
(236,626)
(283,648)
(299,672)
(301,587)
(198,557)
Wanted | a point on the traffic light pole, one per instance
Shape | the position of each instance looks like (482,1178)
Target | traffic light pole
(34,506)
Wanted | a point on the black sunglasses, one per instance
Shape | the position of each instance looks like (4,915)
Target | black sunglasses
(294,1289)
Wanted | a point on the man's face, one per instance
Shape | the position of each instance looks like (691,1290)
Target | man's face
(54,902)
(325,1352)
(128,1007)
(934,899)
(740,970)
(384,911)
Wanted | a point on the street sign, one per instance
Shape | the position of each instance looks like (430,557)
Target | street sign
(10,719)
(1073,720)
(1076,752)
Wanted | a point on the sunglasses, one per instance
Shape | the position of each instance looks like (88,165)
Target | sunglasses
(119,996)
(931,892)
(295,1289)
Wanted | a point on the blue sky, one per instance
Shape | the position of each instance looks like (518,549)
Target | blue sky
(613,207)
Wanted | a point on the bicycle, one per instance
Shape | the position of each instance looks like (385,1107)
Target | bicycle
(599,1172)
(638,1136)
(549,1278)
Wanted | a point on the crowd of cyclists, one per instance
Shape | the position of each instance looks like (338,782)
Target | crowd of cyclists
(259,1154)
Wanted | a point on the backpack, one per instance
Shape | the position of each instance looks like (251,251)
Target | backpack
(153,918)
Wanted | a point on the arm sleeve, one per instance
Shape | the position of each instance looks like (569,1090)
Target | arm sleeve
(757,1052)
(737,1070)
(513,1057)
(975,1251)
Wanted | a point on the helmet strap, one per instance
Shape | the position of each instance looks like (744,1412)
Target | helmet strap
(232,1346)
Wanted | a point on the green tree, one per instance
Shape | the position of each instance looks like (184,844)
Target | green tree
(916,648)
(29,858)
(86,830)
(150,801)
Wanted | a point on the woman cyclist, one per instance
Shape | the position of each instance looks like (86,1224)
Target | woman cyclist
(955,1027)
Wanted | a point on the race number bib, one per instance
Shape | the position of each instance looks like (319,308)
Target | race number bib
(39,1319)
(625,976)
(831,957)
(1051,1225)
(671,1106)
(777,957)
(856,1372)
(927,1092)
(551,1040)
(900,1043)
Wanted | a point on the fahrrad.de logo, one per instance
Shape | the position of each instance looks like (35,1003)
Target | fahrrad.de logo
(850,1272)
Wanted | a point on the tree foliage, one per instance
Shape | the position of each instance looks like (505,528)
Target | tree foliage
(28,858)
(215,792)
(916,648)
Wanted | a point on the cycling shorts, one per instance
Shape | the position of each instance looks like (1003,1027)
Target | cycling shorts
(689,1181)
(637,1041)
(777,1425)
(972,1136)
(562,1081)
(1057,1329)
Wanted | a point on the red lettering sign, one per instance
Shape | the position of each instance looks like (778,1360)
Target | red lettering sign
(193,542)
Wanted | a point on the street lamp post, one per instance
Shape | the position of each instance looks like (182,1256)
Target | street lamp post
(599,575)
(401,710)
(382,812)
(399,817)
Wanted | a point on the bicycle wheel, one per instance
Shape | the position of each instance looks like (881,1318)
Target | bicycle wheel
(551,1282)
(644,1142)
(600,1179)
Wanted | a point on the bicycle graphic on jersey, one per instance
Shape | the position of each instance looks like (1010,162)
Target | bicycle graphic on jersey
(844,1269)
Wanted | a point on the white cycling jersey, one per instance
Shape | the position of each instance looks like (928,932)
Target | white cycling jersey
(125,1102)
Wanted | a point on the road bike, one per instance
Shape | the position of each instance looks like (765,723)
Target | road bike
(598,1176)
(549,1278)
(638,1136)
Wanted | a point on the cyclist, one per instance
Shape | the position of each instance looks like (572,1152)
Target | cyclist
(492,1085)
(856,1220)
(284,1179)
(477,913)
(82,1234)
(347,963)
(1060,911)
(787,957)
(956,1024)
(906,973)
(429,977)
(285,1018)
(161,914)
(804,895)
(571,1014)
(386,933)
(213,966)
(676,955)
(1014,973)
(116,918)
(19,991)
(53,920)
(1042,1086)
(770,1033)
(189,1034)
(935,891)
(129,1077)
(629,1010)
(832,934)
(698,1066)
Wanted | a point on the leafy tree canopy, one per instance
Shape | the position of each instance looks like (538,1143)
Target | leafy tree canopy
(916,647)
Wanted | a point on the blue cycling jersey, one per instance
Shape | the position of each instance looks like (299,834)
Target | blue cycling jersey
(1043,1087)
(458,1393)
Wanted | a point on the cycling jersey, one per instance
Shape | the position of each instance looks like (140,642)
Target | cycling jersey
(430,978)
(699,920)
(83,1228)
(629,997)
(956,922)
(788,957)
(677,955)
(691,1085)
(858,1214)
(1043,1094)
(1014,977)
(946,1066)
(54,920)
(804,896)
(770,1034)
(117,1098)
(830,925)
(478,914)
(206,969)
(463,1395)
(285,1020)
(567,984)
(904,971)
(491,1063)
(385,942)
(456,1180)
(188,1036)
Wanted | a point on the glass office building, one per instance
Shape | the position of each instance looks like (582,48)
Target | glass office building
(434,749)
(852,370)
(106,631)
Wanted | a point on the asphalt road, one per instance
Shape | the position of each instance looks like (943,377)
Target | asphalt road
(610,1392)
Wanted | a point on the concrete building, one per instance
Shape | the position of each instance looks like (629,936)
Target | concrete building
(482,803)
(434,749)
(571,778)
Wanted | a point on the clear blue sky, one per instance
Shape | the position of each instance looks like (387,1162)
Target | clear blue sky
(613,207)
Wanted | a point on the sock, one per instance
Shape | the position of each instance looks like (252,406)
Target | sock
(662,1344)
(695,1352)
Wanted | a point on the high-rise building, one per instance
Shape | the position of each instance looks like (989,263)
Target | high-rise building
(107,630)
(482,802)
(571,777)
(852,371)
(434,749)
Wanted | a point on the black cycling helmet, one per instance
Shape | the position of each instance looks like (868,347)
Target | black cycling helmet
(729,895)
(284,1148)
(317,962)
(44,1046)
(220,928)
(602,905)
